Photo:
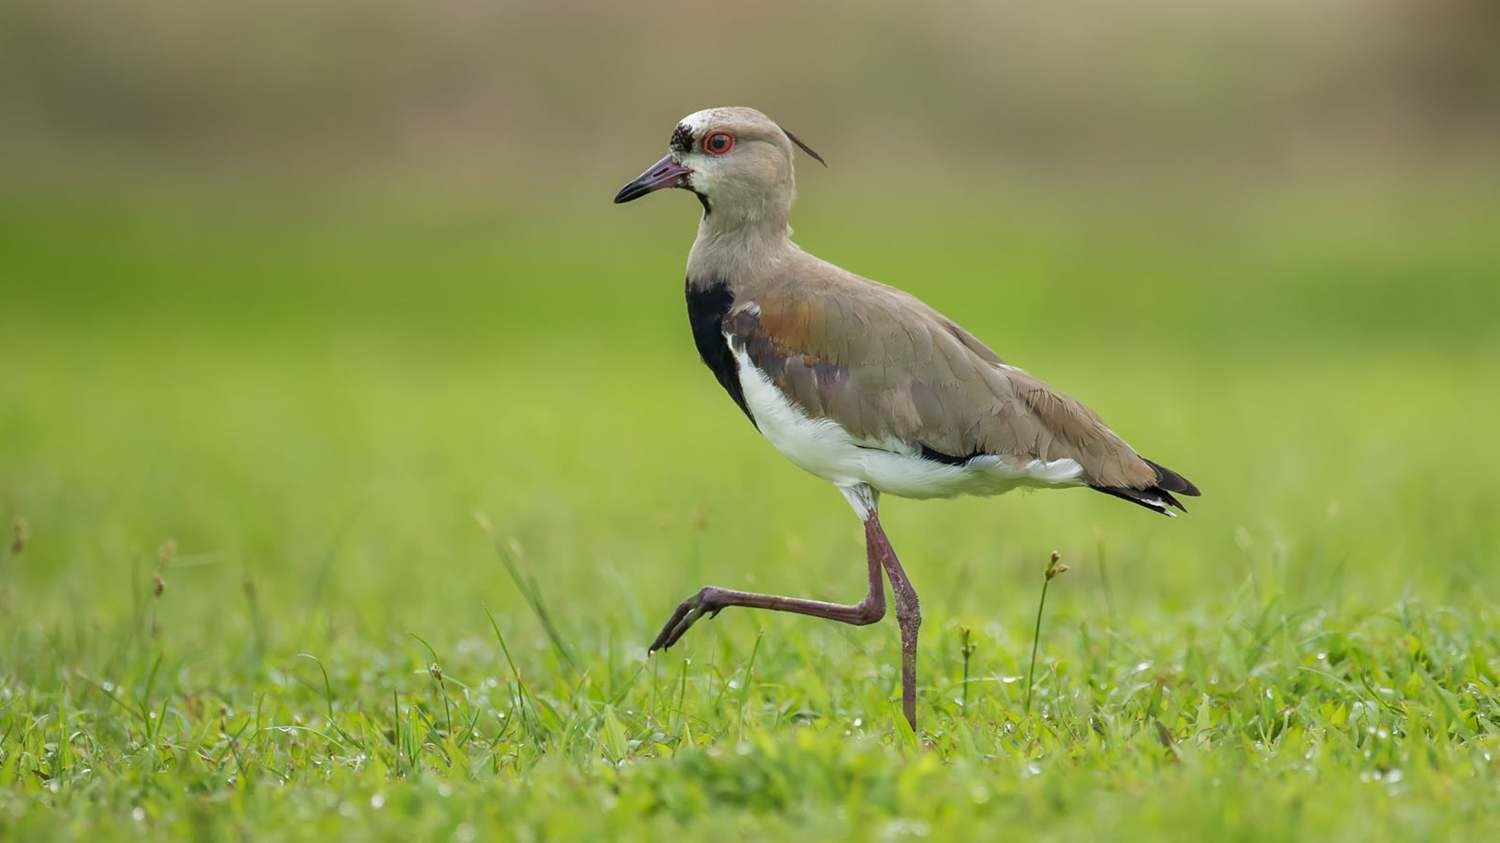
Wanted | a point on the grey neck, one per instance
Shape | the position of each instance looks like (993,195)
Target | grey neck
(736,250)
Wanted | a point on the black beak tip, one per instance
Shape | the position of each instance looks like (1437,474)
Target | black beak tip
(630,192)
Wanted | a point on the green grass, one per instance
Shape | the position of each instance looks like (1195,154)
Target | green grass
(297,424)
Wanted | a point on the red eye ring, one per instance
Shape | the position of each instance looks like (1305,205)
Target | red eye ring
(718,143)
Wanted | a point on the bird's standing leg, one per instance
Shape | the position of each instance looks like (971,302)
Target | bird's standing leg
(711,600)
(908,617)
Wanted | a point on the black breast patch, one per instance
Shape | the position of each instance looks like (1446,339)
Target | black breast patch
(707,306)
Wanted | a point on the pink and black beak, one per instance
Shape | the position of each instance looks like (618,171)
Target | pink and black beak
(665,173)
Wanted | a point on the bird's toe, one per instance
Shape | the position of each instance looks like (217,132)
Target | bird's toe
(684,616)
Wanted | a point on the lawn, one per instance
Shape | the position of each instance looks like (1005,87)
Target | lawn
(354,520)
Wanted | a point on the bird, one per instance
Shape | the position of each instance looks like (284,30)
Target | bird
(860,383)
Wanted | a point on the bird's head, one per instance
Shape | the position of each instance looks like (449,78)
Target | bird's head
(737,160)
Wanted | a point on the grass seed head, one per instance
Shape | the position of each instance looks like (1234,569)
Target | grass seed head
(1053,566)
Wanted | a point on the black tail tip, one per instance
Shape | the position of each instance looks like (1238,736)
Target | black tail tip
(1159,497)
(1168,480)
(1156,499)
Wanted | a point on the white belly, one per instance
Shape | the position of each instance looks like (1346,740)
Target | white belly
(823,447)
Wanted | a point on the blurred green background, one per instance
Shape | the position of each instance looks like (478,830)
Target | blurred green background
(285,277)
(304,286)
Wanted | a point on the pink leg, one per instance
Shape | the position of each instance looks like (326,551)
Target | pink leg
(909,617)
(711,600)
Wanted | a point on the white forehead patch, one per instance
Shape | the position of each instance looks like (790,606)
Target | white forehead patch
(699,120)
(708,118)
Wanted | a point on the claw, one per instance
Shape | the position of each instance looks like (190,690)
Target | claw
(683,617)
(665,639)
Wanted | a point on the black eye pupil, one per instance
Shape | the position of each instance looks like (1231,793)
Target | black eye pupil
(718,142)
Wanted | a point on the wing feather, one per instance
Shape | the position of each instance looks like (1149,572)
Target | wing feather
(889,369)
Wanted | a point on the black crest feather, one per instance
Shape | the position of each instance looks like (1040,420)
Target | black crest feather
(804,147)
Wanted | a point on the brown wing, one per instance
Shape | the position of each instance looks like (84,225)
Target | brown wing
(889,369)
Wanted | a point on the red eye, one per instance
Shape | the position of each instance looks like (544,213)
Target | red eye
(718,143)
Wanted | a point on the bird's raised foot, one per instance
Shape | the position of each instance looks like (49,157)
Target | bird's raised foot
(707,601)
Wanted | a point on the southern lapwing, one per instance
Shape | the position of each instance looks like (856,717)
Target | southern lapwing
(860,383)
